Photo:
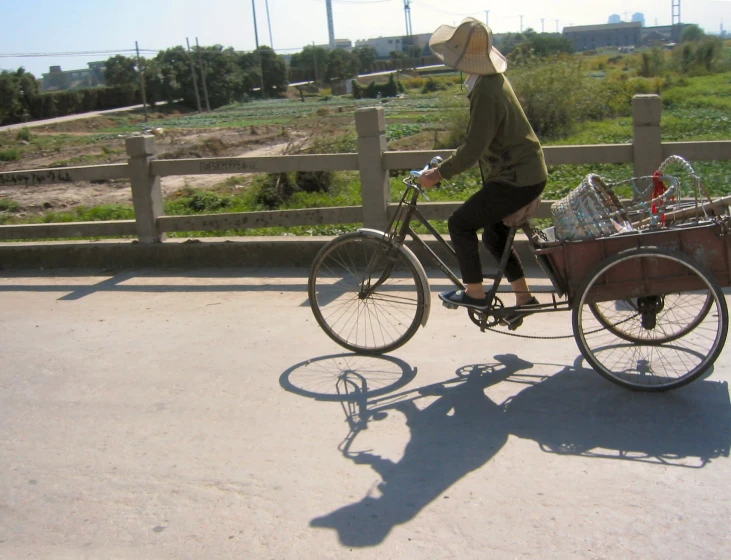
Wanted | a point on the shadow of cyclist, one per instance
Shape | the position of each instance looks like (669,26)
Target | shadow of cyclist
(463,429)
(454,435)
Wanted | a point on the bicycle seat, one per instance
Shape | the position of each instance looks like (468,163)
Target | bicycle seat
(520,217)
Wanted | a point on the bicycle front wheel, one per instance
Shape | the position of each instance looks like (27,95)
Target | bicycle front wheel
(365,294)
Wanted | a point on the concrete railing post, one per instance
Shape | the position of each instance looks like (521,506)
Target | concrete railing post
(370,124)
(146,190)
(646,111)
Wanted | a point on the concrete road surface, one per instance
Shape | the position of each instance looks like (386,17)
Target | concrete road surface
(154,414)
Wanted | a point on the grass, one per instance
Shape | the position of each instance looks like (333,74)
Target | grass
(703,92)
(12,154)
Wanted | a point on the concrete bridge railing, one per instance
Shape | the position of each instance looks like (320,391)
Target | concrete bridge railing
(373,162)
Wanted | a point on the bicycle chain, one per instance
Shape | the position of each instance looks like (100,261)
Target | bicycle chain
(508,333)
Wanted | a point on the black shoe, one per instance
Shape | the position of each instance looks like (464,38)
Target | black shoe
(459,297)
(515,319)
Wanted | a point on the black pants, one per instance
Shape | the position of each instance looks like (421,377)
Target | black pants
(485,210)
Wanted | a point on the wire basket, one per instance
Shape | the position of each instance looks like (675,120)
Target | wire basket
(590,210)
(593,209)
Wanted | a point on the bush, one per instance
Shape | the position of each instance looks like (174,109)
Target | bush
(9,205)
(61,103)
(699,58)
(314,181)
(205,201)
(553,94)
(274,190)
(557,95)
(458,120)
(9,155)
(23,134)
(431,85)
(374,90)
(416,82)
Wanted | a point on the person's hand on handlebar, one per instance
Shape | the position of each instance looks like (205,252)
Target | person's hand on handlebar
(430,178)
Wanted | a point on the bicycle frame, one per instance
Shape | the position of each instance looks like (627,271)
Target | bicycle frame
(400,226)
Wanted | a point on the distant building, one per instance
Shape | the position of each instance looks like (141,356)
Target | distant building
(344,44)
(384,46)
(638,17)
(663,34)
(614,18)
(622,35)
(590,37)
(58,80)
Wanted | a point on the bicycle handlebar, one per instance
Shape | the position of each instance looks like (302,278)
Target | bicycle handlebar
(413,179)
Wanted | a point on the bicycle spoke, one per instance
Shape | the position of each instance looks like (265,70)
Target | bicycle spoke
(364,297)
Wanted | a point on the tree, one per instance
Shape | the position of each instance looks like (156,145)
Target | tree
(19,94)
(509,41)
(311,64)
(366,58)
(275,71)
(692,34)
(708,52)
(545,44)
(9,97)
(151,71)
(172,76)
(121,71)
(341,65)
(400,59)
(698,58)
(27,89)
(225,79)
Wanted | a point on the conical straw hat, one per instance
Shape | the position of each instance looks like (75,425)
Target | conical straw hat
(468,48)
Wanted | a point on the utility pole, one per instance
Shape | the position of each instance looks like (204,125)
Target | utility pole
(258,52)
(542,20)
(407,17)
(521,24)
(556,26)
(487,18)
(330,25)
(195,80)
(203,76)
(142,79)
(269,23)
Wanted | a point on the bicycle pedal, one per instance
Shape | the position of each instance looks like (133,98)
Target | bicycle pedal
(514,325)
(450,305)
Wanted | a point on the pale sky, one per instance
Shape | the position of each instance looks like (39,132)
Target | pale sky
(73,26)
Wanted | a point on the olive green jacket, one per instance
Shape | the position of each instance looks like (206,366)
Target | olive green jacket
(499,137)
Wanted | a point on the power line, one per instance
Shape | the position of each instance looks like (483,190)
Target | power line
(79,53)
(355,1)
(436,9)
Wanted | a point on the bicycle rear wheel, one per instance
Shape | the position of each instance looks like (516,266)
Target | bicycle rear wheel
(666,336)
(366,294)
(679,314)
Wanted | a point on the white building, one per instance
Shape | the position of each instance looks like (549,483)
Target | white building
(384,46)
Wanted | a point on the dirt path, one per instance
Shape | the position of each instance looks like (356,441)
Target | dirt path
(172,144)
(175,183)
